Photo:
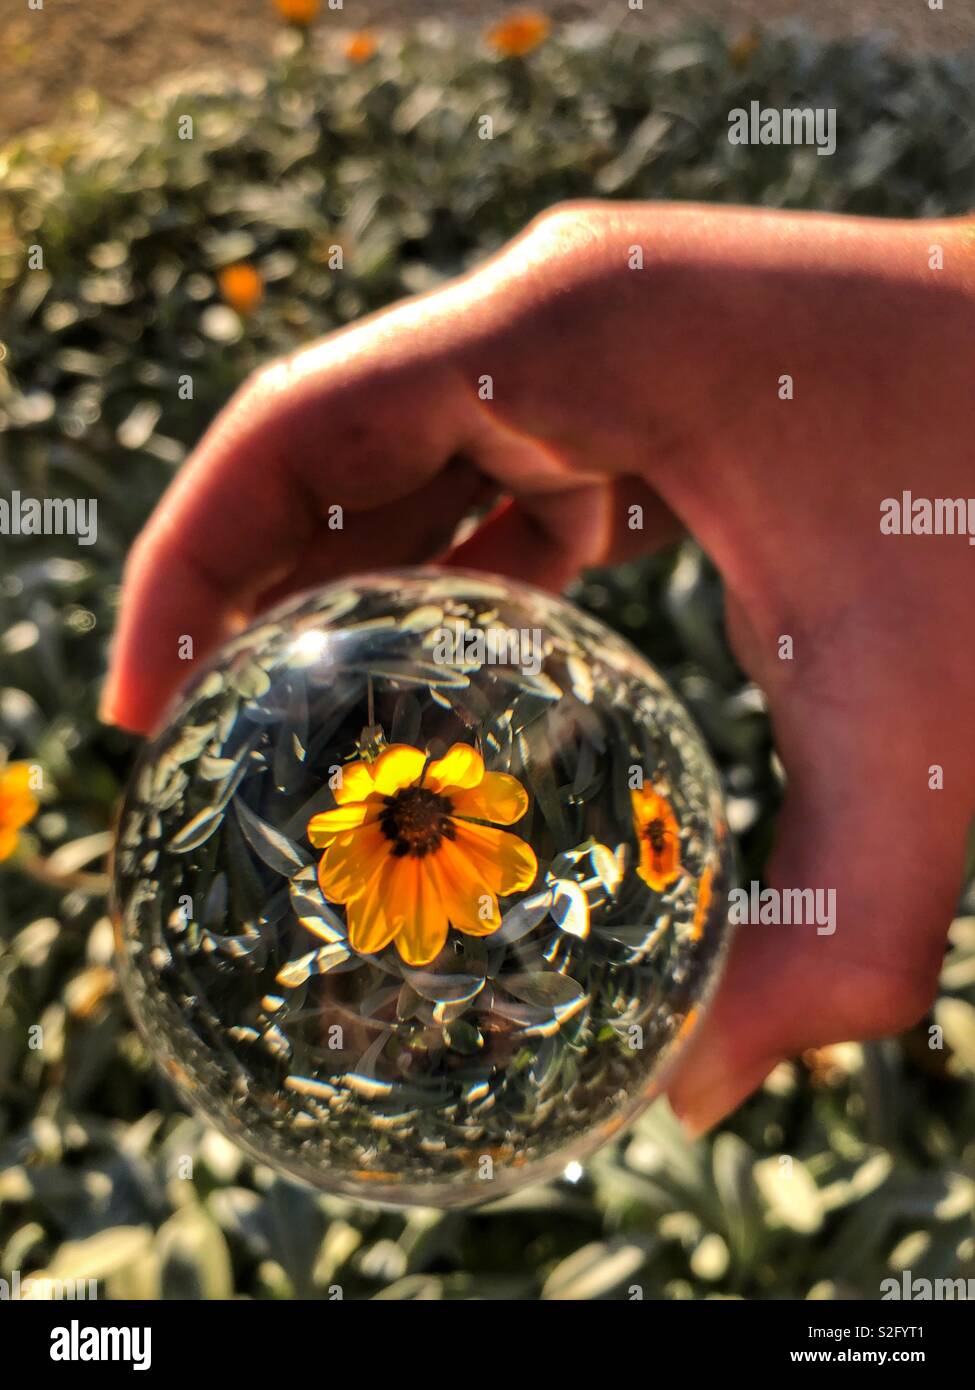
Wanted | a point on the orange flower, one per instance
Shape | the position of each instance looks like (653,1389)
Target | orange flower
(17,805)
(298,11)
(360,47)
(826,1065)
(519,33)
(658,835)
(408,854)
(703,903)
(743,49)
(242,287)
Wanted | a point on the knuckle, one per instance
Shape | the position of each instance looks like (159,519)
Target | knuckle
(567,228)
(262,382)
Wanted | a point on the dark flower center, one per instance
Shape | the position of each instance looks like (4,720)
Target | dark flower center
(416,820)
(656,834)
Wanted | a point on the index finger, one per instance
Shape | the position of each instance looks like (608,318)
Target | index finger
(341,425)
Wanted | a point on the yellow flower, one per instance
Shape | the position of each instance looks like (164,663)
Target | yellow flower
(17,805)
(242,287)
(298,11)
(658,835)
(519,33)
(406,855)
(360,47)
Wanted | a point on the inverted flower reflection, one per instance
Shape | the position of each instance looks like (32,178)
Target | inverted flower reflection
(658,835)
(408,853)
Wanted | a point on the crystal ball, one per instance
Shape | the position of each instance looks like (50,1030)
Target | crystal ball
(421,887)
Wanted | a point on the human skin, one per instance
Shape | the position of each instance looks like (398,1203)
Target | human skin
(614,386)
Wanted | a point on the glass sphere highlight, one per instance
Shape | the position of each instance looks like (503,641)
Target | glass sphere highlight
(421,887)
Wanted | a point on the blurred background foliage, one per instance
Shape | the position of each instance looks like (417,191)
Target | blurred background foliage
(165,256)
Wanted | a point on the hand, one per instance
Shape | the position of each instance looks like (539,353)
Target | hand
(661,386)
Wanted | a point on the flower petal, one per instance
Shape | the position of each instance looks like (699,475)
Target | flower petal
(704,892)
(660,867)
(505,863)
(350,861)
(371,926)
(424,930)
(356,783)
(323,828)
(497,797)
(656,873)
(17,802)
(397,766)
(15,777)
(18,813)
(471,907)
(646,803)
(460,766)
(649,805)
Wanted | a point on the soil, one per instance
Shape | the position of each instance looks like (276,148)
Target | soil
(116,47)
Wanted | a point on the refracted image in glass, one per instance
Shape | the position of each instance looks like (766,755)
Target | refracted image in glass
(420,885)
